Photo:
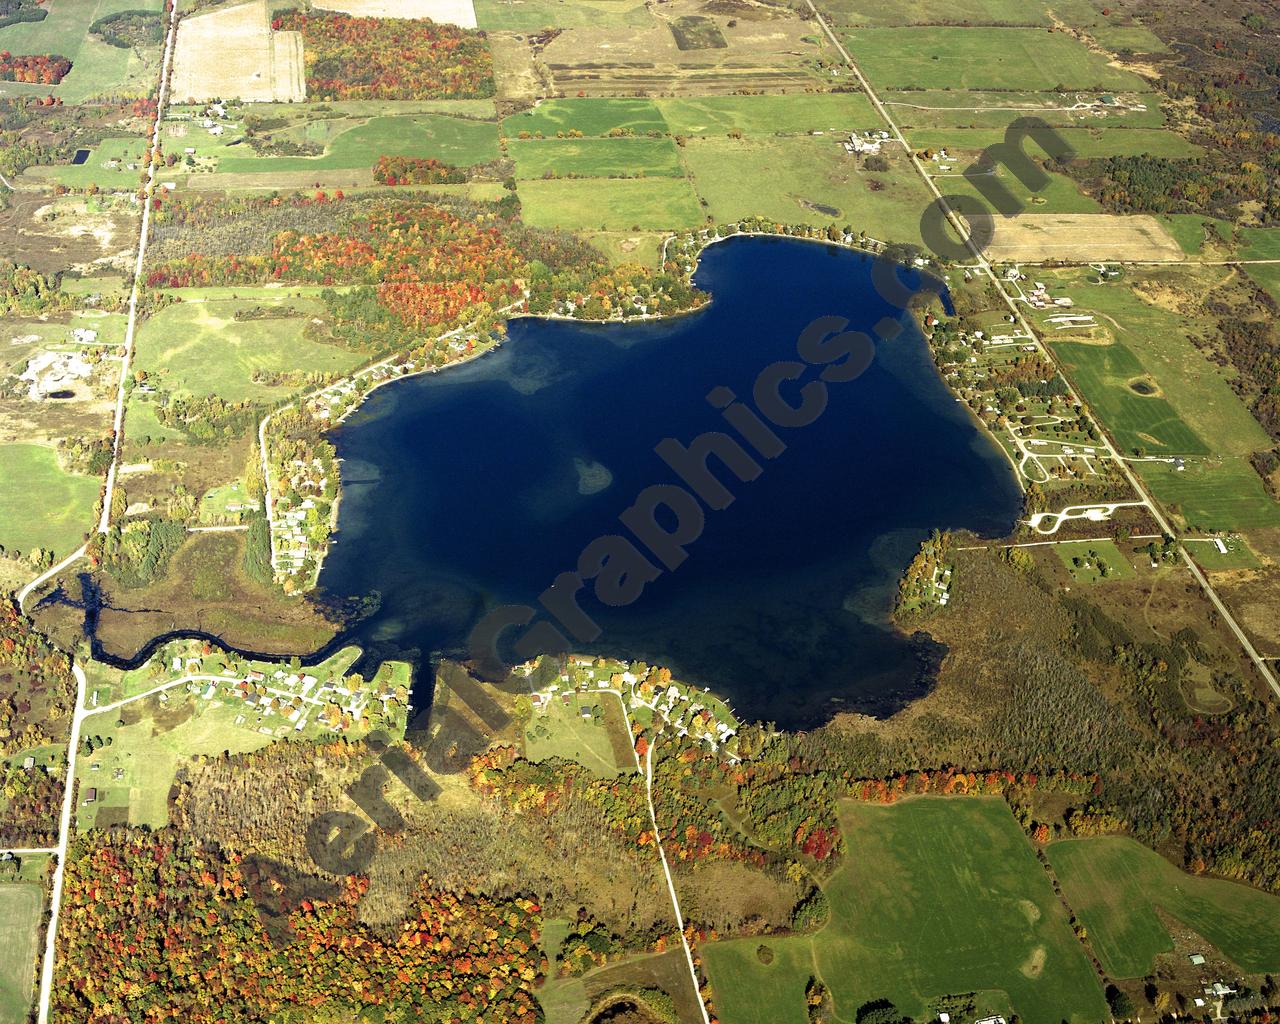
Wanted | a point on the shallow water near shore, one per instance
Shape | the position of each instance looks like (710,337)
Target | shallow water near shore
(477,486)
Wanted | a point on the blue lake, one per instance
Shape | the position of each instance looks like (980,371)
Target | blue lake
(475,487)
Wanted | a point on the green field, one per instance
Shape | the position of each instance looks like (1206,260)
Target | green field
(1159,339)
(591,116)
(1128,39)
(452,140)
(533,15)
(41,506)
(937,896)
(1267,277)
(1147,422)
(629,246)
(610,204)
(98,69)
(805,180)
(1115,885)
(1093,556)
(199,348)
(1191,231)
(1237,556)
(595,158)
(121,150)
(1213,494)
(941,108)
(986,58)
(1260,243)
(1088,143)
(561,731)
(19,933)
(1060,196)
(798,114)
(933,12)
(148,750)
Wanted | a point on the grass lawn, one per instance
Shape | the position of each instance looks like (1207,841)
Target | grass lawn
(595,158)
(809,180)
(1129,39)
(199,348)
(1237,556)
(1267,277)
(453,140)
(19,931)
(120,150)
(769,115)
(533,15)
(1115,885)
(1213,494)
(610,204)
(933,12)
(983,58)
(937,896)
(591,116)
(148,750)
(1098,560)
(629,246)
(1147,422)
(561,731)
(941,108)
(1088,143)
(98,69)
(41,505)
(1260,243)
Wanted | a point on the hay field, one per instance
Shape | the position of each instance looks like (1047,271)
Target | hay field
(1081,238)
(232,53)
(443,12)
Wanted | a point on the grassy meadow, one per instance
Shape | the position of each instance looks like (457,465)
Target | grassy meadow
(589,115)
(42,505)
(1219,493)
(20,906)
(944,108)
(1116,885)
(200,348)
(936,896)
(841,112)
(610,204)
(1092,142)
(932,12)
(983,58)
(807,180)
(595,158)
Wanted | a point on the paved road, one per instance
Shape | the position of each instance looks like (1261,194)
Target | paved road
(25,592)
(984,267)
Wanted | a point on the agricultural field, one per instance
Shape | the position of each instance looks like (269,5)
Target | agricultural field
(1267,277)
(841,113)
(1078,237)
(210,347)
(1218,493)
(807,180)
(20,907)
(595,158)
(1152,315)
(98,69)
(937,896)
(591,117)
(1139,422)
(1116,886)
(943,108)
(233,53)
(1095,141)
(535,15)
(988,58)
(886,13)
(353,143)
(42,505)
(610,204)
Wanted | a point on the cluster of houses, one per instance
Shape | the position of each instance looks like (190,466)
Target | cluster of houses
(688,710)
(291,541)
(867,143)
(940,584)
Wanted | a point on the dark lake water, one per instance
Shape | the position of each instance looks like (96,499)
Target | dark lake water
(475,487)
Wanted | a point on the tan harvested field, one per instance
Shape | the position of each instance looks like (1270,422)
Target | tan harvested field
(772,54)
(232,53)
(443,12)
(1081,238)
